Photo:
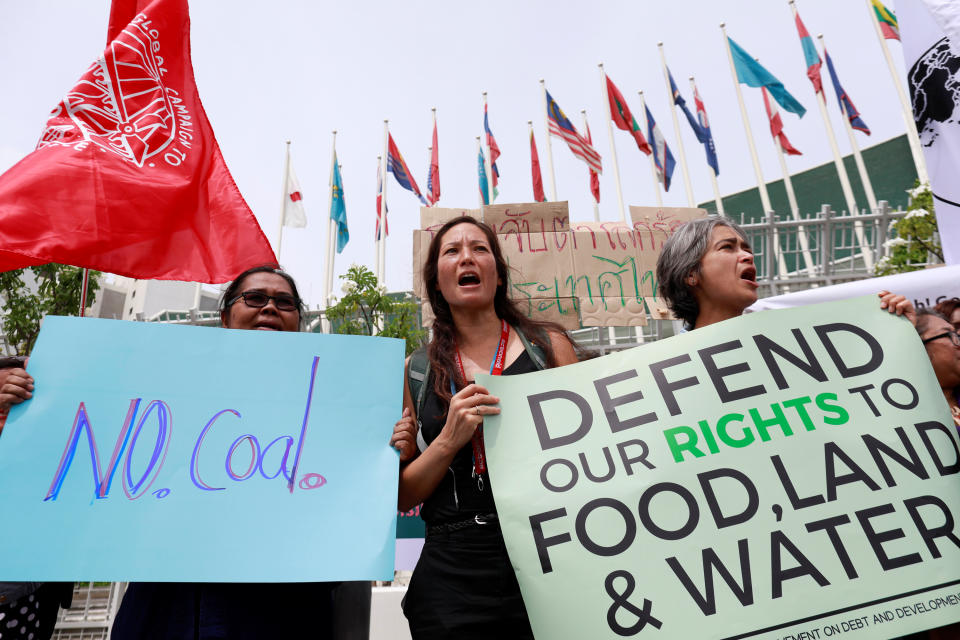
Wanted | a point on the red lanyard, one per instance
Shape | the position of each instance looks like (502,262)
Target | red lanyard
(496,368)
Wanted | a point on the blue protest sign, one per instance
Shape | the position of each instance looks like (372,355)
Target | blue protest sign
(168,453)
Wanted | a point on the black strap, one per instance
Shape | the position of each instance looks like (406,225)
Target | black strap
(418,373)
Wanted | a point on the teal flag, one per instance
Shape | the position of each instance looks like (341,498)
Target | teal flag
(784,475)
(338,207)
(482,174)
(752,73)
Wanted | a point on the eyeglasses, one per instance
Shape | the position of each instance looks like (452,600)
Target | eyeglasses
(258,300)
(954,337)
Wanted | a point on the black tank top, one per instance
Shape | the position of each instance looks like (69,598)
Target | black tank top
(459,495)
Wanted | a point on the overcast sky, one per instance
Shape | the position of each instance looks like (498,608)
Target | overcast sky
(269,72)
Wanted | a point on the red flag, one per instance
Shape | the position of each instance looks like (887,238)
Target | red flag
(776,124)
(128,177)
(594,176)
(623,118)
(538,194)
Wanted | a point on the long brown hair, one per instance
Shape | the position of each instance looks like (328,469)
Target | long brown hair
(441,348)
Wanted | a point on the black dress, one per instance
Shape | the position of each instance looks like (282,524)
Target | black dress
(463,586)
(240,611)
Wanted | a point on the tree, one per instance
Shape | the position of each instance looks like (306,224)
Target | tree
(366,309)
(30,294)
(910,249)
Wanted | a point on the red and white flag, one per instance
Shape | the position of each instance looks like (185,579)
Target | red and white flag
(776,124)
(293,212)
(128,177)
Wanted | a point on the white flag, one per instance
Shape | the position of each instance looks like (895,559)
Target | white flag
(293,213)
(933,75)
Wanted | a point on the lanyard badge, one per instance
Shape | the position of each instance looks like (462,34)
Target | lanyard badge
(496,369)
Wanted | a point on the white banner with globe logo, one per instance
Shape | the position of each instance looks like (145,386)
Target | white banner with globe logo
(933,77)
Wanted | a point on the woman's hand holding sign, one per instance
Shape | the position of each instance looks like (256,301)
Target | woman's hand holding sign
(467,409)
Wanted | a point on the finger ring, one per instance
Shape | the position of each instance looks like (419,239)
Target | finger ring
(477,408)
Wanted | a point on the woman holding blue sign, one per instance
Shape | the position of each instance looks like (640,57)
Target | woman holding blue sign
(463,585)
(706,273)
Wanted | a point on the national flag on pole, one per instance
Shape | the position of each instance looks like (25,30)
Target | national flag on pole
(662,158)
(621,116)
(560,126)
(538,194)
(708,145)
(399,169)
(386,227)
(776,124)
(889,26)
(494,151)
(680,102)
(753,74)
(810,56)
(127,176)
(293,213)
(846,104)
(594,176)
(482,176)
(338,206)
(433,173)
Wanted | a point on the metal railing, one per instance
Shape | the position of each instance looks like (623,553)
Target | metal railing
(91,615)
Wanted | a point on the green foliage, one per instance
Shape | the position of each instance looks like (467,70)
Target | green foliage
(910,248)
(55,291)
(366,309)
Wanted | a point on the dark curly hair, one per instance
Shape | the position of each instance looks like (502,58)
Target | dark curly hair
(442,346)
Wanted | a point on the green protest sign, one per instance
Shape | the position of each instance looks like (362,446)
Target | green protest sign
(788,474)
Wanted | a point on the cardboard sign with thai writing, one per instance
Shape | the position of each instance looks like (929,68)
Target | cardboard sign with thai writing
(168,453)
(783,475)
(574,273)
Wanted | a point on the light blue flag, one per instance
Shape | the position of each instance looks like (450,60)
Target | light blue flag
(482,175)
(753,74)
(338,207)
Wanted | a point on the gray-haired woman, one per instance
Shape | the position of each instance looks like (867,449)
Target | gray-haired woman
(706,274)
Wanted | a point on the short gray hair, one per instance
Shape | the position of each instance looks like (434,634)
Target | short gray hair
(681,256)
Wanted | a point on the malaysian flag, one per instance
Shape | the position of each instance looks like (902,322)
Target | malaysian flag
(560,126)
(400,171)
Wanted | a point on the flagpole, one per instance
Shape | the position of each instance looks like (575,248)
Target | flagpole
(713,176)
(613,147)
(596,205)
(653,164)
(382,246)
(906,109)
(331,232)
(84,283)
(283,200)
(794,208)
(861,167)
(676,128)
(430,160)
(761,185)
(488,159)
(546,123)
(841,171)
